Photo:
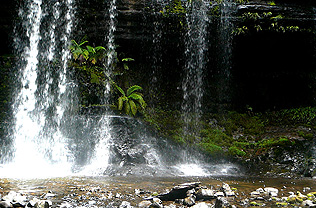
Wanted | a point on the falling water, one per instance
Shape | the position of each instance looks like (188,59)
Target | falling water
(195,54)
(39,108)
(100,160)
(156,55)
(225,49)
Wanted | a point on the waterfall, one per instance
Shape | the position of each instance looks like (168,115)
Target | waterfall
(195,56)
(41,101)
(156,55)
(101,156)
(225,30)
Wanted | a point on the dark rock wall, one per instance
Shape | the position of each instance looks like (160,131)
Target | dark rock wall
(270,70)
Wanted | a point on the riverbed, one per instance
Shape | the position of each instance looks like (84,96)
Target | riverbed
(104,191)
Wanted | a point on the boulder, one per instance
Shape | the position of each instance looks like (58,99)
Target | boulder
(221,202)
(144,204)
(205,194)
(178,192)
(5,204)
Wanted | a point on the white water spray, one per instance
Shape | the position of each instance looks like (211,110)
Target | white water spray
(39,148)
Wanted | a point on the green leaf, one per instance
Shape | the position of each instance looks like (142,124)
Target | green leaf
(135,96)
(127,108)
(132,89)
(91,49)
(98,48)
(120,103)
(85,54)
(82,43)
(128,59)
(95,78)
(120,89)
(133,107)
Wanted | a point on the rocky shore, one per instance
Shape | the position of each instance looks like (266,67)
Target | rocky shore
(193,194)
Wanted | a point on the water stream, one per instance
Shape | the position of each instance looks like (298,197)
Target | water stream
(41,101)
(195,56)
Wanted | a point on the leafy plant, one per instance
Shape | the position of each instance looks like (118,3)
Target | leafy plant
(271,3)
(88,53)
(132,101)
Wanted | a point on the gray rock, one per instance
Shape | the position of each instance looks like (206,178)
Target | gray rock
(44,204)
(221,202)
(271,190)
(219,194)
(144,204)
(205,194)
(308,203)
(171,206)
(178,192)
(202,205)
(125,204)
(189,201)
(65,205)
(5,204)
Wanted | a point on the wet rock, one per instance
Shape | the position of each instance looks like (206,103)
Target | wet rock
(49,195)
(221,202)
(202,205)
(219,194)
(65,205)
(273,192)
(171,206)
(205,194)
(126,204)
(178,192)
(5,204)
(255,194)
(308,203)
(189,201)
(44,204)
(144,204)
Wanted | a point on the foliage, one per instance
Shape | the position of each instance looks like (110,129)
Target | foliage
(265,21)
(132,101)
(174,8)
(215,136)
(167,122)
(212,149)
(294,116)
(87,55)
(90,62)
(235,151)
(271,3)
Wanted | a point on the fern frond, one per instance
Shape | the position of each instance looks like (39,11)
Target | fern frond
(132,89)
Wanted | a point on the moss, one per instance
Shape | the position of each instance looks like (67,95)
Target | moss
(272,142)
(305,135)
(211,149)
(246,123)
(235,151)
(281,204)
(215,136)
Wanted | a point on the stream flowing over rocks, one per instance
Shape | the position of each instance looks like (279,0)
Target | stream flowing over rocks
(143,193)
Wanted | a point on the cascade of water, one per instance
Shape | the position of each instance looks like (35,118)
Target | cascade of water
(156,55)
(100,159)
(39,107)
(196,46)
(225,49)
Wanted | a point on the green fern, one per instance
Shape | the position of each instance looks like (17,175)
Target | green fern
(132,101)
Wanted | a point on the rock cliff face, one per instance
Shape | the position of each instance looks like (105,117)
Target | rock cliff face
(269,68)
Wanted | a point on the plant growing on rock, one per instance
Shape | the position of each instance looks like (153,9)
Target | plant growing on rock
(132,101)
